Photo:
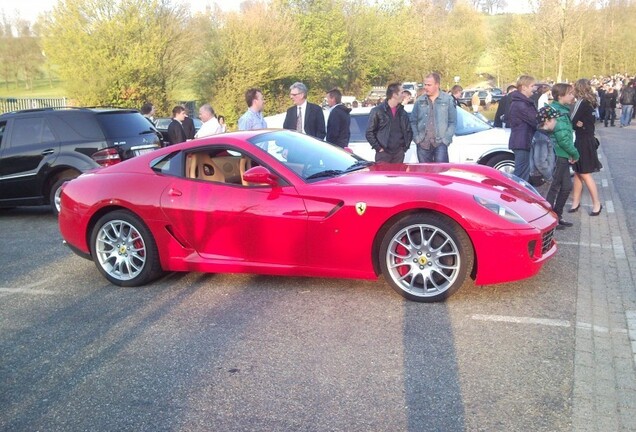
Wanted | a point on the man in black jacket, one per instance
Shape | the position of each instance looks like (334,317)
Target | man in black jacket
(503,108)
(628,95)
(304,117)
(608,103)
(338,123)
(176,134)
(389,131)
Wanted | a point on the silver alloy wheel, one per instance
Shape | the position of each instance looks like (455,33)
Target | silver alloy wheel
(120,249)
(57,199)
(423,260)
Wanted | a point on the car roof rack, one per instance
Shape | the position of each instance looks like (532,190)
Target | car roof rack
(28,110)
(61,108)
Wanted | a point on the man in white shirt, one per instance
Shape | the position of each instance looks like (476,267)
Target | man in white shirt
(210,124)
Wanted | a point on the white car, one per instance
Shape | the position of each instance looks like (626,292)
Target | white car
(474,142)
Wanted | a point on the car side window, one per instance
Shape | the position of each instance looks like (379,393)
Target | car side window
(26,131)
(32,130)
(47,133)
(219,165)
(358,127)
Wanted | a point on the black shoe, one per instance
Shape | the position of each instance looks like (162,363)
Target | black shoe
(565,223)
(574,209)
(596,213)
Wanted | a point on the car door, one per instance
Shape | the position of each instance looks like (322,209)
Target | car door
(226,221)
(28,147)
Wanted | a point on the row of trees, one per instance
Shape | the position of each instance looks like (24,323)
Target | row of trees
(21,57)
(125,52)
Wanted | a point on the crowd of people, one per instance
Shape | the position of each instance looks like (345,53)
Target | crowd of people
(552,127)
(542,133)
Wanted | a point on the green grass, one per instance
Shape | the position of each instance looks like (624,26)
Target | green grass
(41,89)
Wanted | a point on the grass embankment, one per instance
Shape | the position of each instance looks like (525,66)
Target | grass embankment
(45,89)
(40,89)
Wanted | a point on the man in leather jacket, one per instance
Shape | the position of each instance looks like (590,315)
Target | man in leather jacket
(389,130)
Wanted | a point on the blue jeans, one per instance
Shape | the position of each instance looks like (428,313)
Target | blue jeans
(522,163)
(434,154)
(626,115)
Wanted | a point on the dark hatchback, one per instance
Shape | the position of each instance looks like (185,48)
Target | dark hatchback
(40,149)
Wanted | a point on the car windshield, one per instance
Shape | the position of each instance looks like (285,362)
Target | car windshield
(162,123)
(468,123)
(308,157)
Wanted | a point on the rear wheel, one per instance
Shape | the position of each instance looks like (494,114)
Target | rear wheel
(124,250)
(426,257)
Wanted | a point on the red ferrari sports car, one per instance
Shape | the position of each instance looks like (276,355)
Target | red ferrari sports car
(282,203)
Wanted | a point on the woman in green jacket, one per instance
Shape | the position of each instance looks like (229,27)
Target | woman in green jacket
(564,149)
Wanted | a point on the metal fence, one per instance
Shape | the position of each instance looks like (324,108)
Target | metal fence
(15,104)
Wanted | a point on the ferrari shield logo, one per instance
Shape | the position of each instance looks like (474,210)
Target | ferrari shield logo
(361,207)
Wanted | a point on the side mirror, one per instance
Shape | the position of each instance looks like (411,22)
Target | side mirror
(260,175)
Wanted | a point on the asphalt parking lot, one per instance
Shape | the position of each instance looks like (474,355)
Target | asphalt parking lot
(203,352)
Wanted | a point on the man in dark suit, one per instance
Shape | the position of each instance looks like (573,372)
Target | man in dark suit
(188,125)
(304,117)
(503,108)
(176,134)
(338,123)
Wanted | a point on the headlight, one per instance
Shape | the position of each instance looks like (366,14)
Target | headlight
(500,210)
(522,182)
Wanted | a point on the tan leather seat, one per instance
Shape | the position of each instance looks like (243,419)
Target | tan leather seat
(244,165)
(203,167)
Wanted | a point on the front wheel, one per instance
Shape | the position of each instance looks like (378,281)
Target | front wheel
(502,162)
(55,193)
(124,250)
(426,257)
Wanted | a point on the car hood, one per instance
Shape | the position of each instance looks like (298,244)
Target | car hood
(447,184)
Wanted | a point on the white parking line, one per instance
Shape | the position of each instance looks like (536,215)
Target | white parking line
(25,291)
(597,328)
(595,245)
(522,320)
(31,288)
(619,249)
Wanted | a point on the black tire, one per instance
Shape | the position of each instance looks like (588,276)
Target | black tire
(54,193)
(502,162)
(426,257)
(124,250)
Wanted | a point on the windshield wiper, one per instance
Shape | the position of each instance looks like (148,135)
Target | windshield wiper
(326,173)
(360,164)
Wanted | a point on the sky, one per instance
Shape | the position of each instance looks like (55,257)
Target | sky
(29,9)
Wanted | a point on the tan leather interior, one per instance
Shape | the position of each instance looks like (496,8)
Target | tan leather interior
(202,166)
(245,164)
(225,168)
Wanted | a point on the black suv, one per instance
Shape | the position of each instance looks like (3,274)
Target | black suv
(40,149)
